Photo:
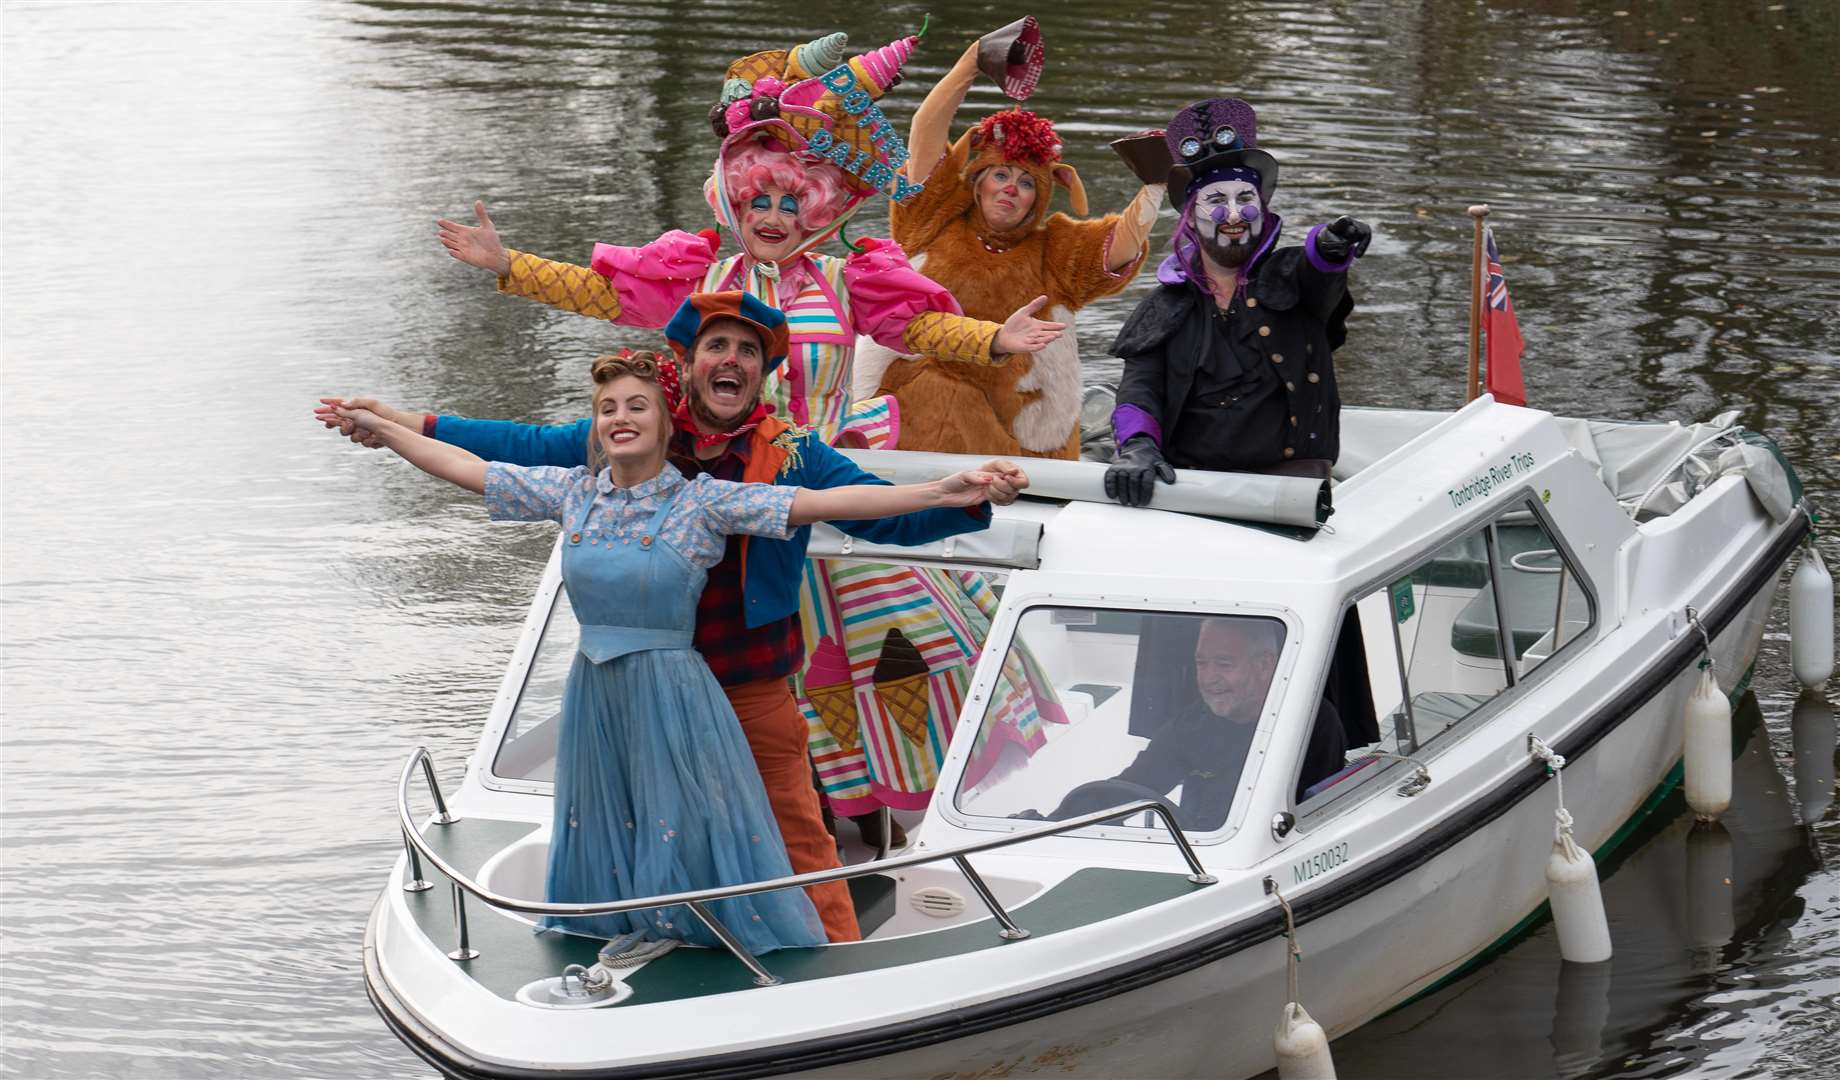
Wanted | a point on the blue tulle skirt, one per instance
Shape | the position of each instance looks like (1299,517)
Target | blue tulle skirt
(657,792)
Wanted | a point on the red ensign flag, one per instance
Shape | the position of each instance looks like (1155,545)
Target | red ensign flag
(1505,344)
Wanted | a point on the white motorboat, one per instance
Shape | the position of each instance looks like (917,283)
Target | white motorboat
(1489,575)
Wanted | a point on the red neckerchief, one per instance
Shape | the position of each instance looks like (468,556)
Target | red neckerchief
(681,414)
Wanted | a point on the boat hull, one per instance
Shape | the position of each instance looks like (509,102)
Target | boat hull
(1192,984)
(1218,1019)
(1209,1008)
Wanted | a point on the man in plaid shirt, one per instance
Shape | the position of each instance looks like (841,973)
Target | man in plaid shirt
(747,626)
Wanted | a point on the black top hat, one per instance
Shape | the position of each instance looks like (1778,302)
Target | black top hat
(1220,133)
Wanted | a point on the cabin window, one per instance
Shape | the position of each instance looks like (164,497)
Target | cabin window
(1433,648)
(1446,628)
(528,750)
(1095,708)
(1546,602)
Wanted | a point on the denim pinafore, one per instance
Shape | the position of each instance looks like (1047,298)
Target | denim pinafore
(630,597)
(656,789)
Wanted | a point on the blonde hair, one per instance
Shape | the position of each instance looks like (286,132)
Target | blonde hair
(637,365)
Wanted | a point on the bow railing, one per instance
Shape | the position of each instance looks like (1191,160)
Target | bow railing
(418,851)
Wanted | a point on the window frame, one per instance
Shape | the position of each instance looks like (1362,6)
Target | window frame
(551,593)
(990,666)
(1525,500)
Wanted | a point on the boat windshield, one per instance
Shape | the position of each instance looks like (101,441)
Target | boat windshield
(1097,707)
(528,750)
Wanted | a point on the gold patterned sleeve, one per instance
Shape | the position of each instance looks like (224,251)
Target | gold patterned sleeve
(953,338)
(560,285)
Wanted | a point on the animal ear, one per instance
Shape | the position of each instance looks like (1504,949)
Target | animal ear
(1066,176)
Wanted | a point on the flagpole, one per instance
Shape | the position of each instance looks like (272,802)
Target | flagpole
(1478,212)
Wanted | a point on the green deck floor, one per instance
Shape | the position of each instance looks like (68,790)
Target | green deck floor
(511,954)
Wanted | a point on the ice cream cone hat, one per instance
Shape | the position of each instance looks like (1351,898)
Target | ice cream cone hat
(822,108)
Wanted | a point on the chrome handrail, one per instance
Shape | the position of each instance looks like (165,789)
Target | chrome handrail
(441,816)
(697,898)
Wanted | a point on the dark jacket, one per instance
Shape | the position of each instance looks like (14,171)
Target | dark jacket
(1204,754)
(1292,317)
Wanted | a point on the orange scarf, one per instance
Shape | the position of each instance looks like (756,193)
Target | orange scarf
(763,465)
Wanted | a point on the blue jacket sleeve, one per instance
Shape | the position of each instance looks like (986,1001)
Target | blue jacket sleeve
(515,443)
(823,467)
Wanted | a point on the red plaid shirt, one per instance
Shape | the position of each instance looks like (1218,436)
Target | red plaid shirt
(735,653)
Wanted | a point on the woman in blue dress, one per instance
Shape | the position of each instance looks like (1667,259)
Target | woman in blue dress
(656,790)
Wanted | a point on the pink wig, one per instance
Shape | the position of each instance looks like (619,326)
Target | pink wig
(750,167)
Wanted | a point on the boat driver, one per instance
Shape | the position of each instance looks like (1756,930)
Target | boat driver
(1203,749)
(1227,362)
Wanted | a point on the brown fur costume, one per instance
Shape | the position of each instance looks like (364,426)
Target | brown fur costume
(1029,406)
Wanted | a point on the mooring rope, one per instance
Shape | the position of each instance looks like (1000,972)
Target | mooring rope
(1693,619)
(1555,766)
(1293,955)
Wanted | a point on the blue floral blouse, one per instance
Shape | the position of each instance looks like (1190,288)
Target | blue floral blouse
(707,510)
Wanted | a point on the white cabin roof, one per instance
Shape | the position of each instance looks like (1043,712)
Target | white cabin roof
(1420,476)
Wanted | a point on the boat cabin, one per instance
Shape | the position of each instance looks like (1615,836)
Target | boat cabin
(1259,677)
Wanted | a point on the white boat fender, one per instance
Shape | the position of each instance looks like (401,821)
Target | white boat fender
(1707,756)
(1301,1043)
(1811,621)
(1708,748)
(1303,1049)
(1811,725)
(1571,878)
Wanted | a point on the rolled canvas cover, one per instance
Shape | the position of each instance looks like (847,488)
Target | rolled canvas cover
(1300,502)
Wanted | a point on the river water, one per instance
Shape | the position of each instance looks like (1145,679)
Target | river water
(224,630)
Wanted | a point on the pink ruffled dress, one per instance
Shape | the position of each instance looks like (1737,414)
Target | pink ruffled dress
(828,301)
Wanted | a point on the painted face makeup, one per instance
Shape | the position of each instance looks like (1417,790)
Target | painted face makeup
(770,224)
(1228,220)
(787,204)
(1006,196)
(726,370)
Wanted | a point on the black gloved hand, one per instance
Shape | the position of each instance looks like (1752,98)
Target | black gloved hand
(1135,468)
(1345,235)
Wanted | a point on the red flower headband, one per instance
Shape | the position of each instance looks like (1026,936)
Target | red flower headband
(668,380)
(1022,136)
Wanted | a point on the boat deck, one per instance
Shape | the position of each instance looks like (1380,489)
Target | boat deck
(512,955)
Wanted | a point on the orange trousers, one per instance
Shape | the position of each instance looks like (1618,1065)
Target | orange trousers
(775,730)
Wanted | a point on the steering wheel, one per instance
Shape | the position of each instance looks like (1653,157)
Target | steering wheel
(1099,794)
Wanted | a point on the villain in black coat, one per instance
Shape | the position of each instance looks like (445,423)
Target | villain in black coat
(1288,320)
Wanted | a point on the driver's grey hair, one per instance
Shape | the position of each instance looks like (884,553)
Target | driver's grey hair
(1256,634)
